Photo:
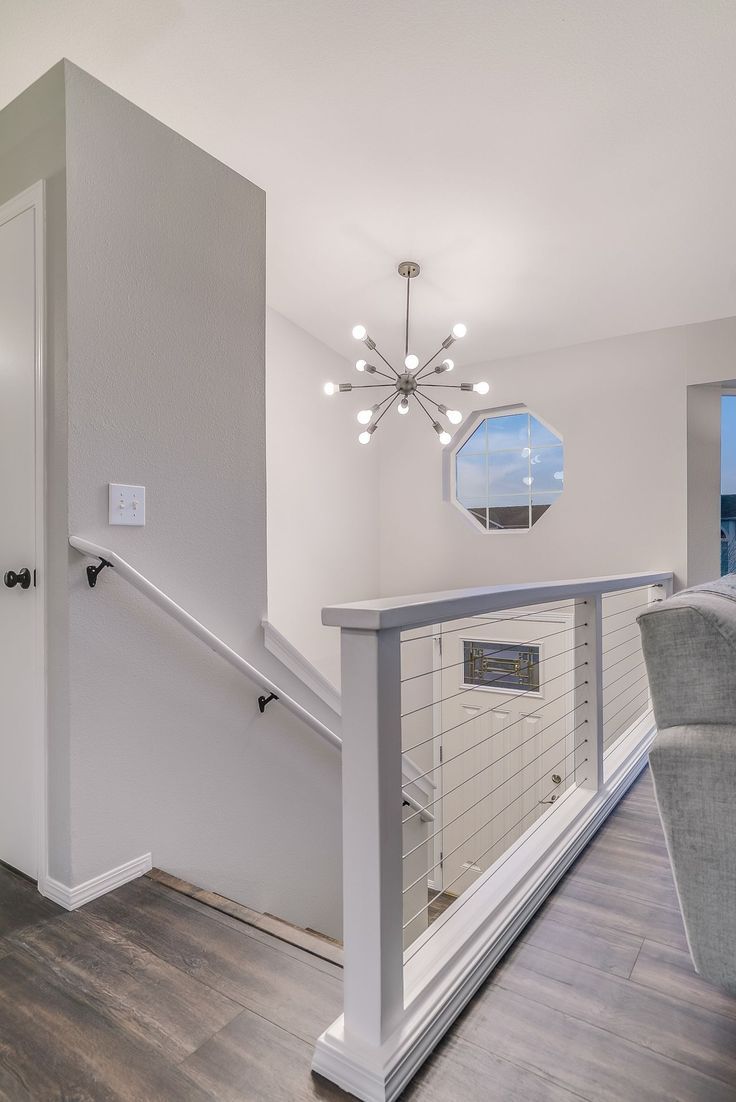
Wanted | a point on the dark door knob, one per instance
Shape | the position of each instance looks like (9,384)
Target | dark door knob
(22,578)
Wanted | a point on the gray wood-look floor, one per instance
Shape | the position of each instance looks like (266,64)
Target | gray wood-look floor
(147,995)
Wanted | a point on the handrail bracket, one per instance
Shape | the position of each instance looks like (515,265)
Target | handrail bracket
(264,700)
(93,571)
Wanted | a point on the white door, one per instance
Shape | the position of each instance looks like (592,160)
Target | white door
(506,754)
(21,686)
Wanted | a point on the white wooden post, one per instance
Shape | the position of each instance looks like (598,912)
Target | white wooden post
(588,629)
(372,835)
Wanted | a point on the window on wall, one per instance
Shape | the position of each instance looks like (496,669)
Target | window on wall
(509,471)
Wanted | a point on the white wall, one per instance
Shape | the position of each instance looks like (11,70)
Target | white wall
(322,493)
(155,743)
(621,407)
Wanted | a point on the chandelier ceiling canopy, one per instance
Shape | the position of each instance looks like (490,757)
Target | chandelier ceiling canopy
(409,385)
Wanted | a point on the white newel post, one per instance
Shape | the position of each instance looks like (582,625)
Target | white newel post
(372,835)
(589,629)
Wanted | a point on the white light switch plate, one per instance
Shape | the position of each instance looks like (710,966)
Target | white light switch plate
(127,504)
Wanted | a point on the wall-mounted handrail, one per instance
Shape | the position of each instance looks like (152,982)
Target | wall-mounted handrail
(143,585)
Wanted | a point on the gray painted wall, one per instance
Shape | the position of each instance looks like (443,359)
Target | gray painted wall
(166,750)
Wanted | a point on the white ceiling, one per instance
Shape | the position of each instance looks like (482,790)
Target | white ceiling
(562,169)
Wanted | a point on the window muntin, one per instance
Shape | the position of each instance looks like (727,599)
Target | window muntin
(509,471)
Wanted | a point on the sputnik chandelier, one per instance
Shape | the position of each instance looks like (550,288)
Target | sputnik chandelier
(410,384)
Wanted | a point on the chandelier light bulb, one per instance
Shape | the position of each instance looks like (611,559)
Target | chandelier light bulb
(365,436)
(360,365)
(459,330)
(403,406)
(411,363)
(365,414)
(454,416)
(330,389)
(360,332)
(448,364)
(481,388)
(444,436)
(527,480)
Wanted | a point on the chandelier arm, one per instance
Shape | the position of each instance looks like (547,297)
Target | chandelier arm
(388,398)
(369,386)
(445,386)
(384,375)
(387,363)
(428,399)
(429,361)
(388,407)
(423,407)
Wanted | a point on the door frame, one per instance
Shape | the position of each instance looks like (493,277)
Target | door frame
(34,198)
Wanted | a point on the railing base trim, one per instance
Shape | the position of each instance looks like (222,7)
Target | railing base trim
(379,1075)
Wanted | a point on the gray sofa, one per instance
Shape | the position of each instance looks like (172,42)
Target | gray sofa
(689,644)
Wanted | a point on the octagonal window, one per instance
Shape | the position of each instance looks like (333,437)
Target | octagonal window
(509,471)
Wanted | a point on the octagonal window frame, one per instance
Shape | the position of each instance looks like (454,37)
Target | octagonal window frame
(468,430)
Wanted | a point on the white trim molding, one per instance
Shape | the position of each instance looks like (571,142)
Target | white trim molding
(72,898)
(288,655)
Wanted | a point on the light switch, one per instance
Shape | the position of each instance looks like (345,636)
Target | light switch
(127,504)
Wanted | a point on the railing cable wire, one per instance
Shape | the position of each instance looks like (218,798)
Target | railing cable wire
(487,684)
(500,785)
(490,765)
(479,715)
(498,840)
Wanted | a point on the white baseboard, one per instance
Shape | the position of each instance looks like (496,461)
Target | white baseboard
(442,980)
(71,898)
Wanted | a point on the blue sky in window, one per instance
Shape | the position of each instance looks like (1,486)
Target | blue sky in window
(728,444)
(500,464)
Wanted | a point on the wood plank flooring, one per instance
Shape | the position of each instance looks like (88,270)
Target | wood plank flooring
(147,995)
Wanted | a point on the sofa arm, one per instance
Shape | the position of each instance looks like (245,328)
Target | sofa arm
(694,771)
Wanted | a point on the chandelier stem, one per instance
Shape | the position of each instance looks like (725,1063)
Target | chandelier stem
(406,345)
